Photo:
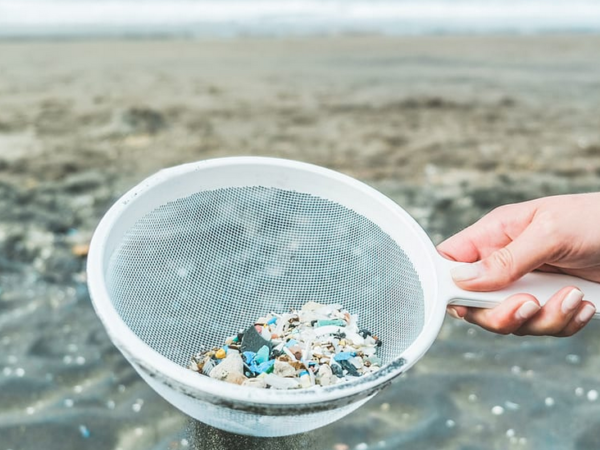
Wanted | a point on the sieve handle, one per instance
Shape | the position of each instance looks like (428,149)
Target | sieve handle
(541,285)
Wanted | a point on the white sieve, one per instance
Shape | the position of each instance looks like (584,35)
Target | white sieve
(195,252)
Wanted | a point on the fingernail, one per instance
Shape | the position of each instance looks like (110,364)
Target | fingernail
(571,301)
(467,272)
(453,312)
(527,310)
(586,314)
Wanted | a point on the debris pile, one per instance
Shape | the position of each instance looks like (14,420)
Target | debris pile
(318,345)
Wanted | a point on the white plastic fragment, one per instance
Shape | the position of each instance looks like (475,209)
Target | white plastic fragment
(255,382)
(280,383)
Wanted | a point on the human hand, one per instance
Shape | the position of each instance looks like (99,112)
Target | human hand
(551,234)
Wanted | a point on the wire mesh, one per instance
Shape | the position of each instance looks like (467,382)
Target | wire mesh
(197,269)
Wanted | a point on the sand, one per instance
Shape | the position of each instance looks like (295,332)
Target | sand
(449,127)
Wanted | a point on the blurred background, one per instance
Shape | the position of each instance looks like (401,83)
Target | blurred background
(451,108)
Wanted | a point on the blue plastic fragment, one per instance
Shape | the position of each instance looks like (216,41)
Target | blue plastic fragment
(291,343)
(85,433)
(304,372)
(272,321)
(261,368)
(249,357)
(262,355)
(344,356)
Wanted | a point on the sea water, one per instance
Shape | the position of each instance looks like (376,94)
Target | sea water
(224,18)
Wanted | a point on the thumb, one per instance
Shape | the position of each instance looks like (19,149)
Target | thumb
(527,252)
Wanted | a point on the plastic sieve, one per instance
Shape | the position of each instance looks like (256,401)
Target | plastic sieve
(193,253)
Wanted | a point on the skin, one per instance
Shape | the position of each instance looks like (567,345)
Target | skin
(551,234)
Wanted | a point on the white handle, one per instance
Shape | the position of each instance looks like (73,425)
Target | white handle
(539,284)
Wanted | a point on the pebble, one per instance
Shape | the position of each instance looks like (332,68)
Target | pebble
(341,447)
(497,410)
(284,369)
(233,363)
(80,250)
(235,378)
(324,376)
(318,345)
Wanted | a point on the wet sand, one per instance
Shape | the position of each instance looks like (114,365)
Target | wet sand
(448,127)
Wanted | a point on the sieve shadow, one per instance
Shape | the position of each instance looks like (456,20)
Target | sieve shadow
(205,437)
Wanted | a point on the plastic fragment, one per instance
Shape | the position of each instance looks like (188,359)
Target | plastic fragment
(374,360)
(337,370)
(349,367)
(305,380)
(281,383)
(255,382)
(262,355)
(335,322)
(343,356)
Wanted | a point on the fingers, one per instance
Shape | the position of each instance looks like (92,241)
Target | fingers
(507,317)
(563,315)
(531,249)
(582,316)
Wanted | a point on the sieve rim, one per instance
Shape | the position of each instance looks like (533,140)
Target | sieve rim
(143,357)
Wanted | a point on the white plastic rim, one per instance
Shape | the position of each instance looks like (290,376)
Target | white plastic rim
(188,179)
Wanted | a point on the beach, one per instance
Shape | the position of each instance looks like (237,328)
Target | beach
(448,127)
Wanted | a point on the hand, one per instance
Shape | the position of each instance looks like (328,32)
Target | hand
(552,234)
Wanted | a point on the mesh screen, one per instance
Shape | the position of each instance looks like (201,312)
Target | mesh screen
(198,269)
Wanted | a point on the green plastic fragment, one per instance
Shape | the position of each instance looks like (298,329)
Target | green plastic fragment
(326,322)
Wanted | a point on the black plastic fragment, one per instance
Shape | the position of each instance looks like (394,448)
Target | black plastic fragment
(252,341)
(364,333)
(337,370)
(347,365)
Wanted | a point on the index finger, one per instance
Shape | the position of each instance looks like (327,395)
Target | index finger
(493,231)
